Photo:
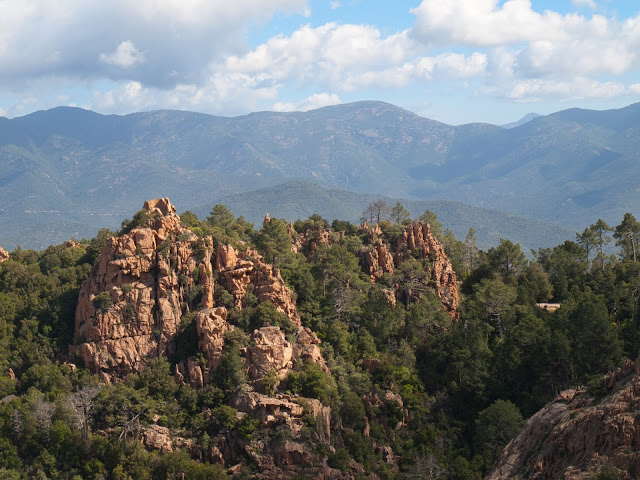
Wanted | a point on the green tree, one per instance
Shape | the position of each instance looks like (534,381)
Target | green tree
(595,345)
(221,217)
(496,300)
(626,235)
(190,219)
(600,233)
(376,212)
(273,241)
(507,259)
(534,285)
(400,215)
(471,250)
(566,266)
(495,427)
(587,241)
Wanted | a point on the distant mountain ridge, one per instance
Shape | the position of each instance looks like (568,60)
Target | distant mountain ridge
(77,168)
(294,200)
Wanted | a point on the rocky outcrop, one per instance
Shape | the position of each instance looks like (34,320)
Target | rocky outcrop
(239,270)
(4,255)
(308,241)
(130,307)
(379,257)
(269,353)
(575,435)
(211,325)
(417,241)
(377,261)
(284,413)
(306,347)
(145,281)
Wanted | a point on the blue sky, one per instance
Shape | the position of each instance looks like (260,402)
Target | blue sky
(457,61)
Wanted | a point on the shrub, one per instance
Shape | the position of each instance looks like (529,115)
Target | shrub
(103,302)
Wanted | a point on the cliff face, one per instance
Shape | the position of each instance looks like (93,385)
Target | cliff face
(130,308)
(575,435)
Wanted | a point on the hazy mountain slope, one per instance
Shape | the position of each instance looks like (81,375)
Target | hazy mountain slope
(527,118)
(296,200)
(568,168)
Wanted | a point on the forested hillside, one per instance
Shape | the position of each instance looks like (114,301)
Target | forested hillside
(186,347)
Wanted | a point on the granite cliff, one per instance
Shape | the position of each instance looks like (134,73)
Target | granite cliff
(577,436)
(148,279)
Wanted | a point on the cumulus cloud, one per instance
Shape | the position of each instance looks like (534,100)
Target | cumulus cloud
(125,56)
(192,54)
(327,50)
(76,39)
(317,100)
(484,22)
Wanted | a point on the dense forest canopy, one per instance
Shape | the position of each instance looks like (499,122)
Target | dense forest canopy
(454,390)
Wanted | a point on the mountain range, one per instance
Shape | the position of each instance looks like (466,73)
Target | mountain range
(67,171)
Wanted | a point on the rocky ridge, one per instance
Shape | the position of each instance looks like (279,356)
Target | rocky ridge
(379,257)
(146,280)
(576,435)
(152,280)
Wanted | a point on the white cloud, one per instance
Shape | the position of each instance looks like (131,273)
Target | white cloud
(577,89)
(484,22)
(585,3)
(317,100)
(75,39)
(125,56)
(349,58)
(328,50)
(193,54)
(528,55)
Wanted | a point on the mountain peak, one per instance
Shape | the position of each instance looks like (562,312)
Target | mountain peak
(527,118)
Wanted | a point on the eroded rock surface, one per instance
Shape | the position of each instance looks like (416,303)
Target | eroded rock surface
(379,257)
(145,282)
(4,255)
(130,306)
(239,270)
(417,241)
(575,435)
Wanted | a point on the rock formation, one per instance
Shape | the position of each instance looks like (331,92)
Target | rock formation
(4,255)
(130,307)
(146,280)
(286,412)
(575,435)
(308,241)
(379,257)
(418,242)
(378,260)
(239,270)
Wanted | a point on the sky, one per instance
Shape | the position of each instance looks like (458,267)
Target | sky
(456,61)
